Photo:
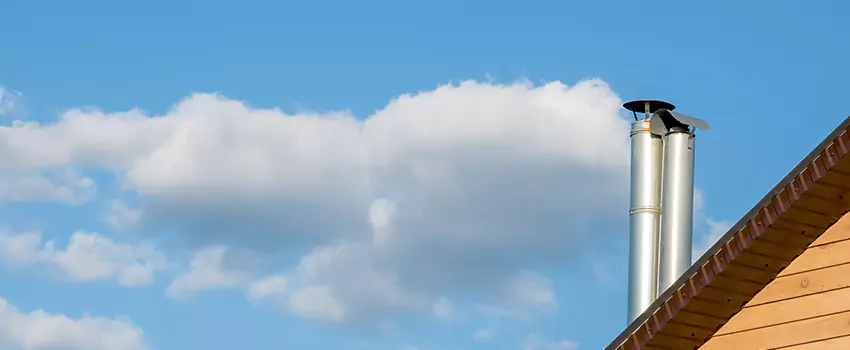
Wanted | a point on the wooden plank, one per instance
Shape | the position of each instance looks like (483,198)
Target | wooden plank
(739,286)
(704,321)
(825,191)
(716,309)
(790,238)
(840,343)
(836,179)
(759,261)
(784,252)
(721,296)
(671,342)
(697,334)
(783,335)
(838,232)
(819,257)
(801,228)
(798,214)
(825,206)
(803,284)
(843,165)
(788,310)
(742,272)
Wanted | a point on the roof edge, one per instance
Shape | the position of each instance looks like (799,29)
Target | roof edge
(718,246)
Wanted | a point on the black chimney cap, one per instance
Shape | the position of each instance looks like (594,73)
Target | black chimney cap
(638,106)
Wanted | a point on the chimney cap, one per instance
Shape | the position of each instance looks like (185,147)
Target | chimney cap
(664,120)
(638,106)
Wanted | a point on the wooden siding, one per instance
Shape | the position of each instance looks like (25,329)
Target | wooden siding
(807,307)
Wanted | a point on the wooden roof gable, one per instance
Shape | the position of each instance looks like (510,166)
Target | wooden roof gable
(808,201)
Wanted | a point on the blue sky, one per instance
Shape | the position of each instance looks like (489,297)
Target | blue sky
(221,175)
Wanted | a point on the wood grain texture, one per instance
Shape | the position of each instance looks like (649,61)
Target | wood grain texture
(783,335)
(790,310)
(840,343)
(818,257)
(838,232)
(807,307)
(802,284)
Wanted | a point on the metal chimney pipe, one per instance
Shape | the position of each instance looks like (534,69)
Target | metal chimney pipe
(677,202)
(677,219)
(645,208)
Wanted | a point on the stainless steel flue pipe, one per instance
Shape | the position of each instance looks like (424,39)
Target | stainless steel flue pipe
(662,200)
(677,202)
(645,210)
(677,219)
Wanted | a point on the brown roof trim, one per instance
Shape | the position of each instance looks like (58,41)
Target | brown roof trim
(742,262)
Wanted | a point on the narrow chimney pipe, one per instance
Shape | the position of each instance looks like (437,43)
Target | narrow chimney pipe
(645,208)
(677,216)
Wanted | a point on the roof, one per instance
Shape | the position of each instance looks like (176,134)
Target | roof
(810,199)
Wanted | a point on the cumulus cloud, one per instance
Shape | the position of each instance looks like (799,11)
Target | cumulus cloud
(714,229)
(267,287)
(333,284)
(344,284)
(209,269)
(444,309)
(62,185)
(122,217)
(40,330)
(483,335)
(317,302)
(452,193)
(9,100)
(87,257)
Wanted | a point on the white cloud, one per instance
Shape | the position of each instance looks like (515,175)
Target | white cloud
(40,330)
(267,287)
(483,335)
(122,217)
(41,184)
(346,283)
(532,288)
(50,185)
(317,302)
(562,345)
(714,229)
(207,270)
(524,297)
(455,191)
(22,249)
(381,216)
(444,309)
(301,293)
(9,100)
(87,257)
